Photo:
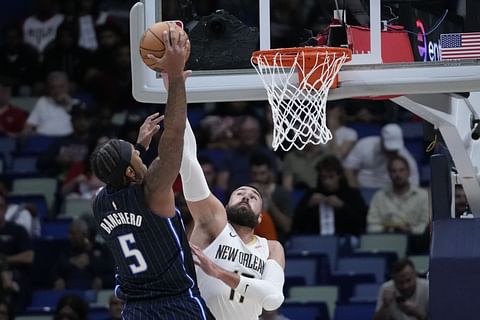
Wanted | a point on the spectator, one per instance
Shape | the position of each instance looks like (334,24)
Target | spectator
(344,138)
(71,307)
(366,164)
(399,207)
(64,54)
(236,166)
(115,307)
(16,256)
(40,28)
(12,119)
(277,201)
(19,61)
(79,180)
(50,115)
(211,175)
(404,297)
(462,209)
(21,214)
(299,167)
(70,149)
(6,311)
(333,207)
(85,264)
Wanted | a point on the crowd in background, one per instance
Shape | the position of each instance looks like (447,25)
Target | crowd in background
(73,58)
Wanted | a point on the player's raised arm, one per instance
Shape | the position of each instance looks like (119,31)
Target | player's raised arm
(164,169)
(206,210)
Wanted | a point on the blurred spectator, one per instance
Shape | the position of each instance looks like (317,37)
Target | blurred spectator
(344,138)
(333,207)
(70,149)
(399,207)
(115,307)
(71,307)
(216,132)
(85,264)
(299,167)
(236,166)
(50,116)
(16,256)
(462,209)
(19,61)
(211,174)
(64,54)
(287,23)
(6,310)
(90,16)
(22,215)
(277,201)
(12,118)
(40,28)
(405,296)
(366,164)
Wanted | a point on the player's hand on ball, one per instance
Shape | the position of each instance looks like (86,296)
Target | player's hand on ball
(176,49)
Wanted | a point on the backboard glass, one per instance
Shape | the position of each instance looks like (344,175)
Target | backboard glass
(366,75)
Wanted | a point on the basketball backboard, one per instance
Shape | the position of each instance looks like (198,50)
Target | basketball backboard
(365,75)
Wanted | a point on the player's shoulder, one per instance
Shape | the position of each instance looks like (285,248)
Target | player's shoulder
(275,246)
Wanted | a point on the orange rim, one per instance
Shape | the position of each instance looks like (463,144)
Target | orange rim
(288,55)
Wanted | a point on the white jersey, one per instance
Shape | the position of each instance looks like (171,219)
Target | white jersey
(231,253)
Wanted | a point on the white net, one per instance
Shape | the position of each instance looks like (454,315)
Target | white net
(297,87)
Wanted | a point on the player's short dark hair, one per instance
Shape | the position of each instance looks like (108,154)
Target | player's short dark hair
(401,264)
(106,160)
(400,158)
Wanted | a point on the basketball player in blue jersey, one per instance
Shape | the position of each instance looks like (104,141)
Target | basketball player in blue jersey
(136,213)
(239,274)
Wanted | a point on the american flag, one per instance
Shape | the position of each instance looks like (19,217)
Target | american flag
(460,46)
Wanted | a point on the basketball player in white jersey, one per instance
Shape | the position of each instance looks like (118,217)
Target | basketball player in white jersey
(239,274)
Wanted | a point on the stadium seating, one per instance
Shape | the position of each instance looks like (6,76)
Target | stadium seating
(326,294)
(305,311)
(397,243)
(356,311)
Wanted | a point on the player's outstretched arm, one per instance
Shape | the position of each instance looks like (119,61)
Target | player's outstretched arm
(267,291)
(164,169)
(206,210)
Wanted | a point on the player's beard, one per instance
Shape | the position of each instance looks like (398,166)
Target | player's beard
(242,216)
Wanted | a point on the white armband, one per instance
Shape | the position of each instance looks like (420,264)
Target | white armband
(195,187)
(268,290)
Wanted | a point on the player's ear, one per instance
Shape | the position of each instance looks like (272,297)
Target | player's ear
(260,216)
(129,172)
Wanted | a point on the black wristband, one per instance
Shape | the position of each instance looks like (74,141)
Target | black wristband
(140,148)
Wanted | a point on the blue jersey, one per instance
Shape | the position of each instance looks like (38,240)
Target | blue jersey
(152,255)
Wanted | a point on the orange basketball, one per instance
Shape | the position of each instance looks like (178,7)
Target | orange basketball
(152,43)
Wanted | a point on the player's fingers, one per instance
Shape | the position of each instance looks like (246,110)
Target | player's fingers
(154,130)
(154,58)
(182,39)
(187,74)
(153,116)
(157,120)
(173,35)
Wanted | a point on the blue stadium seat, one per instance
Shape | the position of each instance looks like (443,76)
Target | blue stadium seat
(374,265)
(314,244)
(305,311)
(23,165)
(367,194)
(36,144)
(98,313)
(55,229)
(7,148)
(365,292)
(356,311)
(412,129)
(346,283)
(306,268)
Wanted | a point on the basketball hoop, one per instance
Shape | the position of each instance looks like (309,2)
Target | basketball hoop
(297,81)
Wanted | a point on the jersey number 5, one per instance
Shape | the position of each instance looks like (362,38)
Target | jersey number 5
(125,243)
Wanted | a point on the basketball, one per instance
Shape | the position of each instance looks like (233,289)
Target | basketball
(152,43)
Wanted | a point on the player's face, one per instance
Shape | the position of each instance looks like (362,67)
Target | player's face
(398,172)
(406,281)
(244,207)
